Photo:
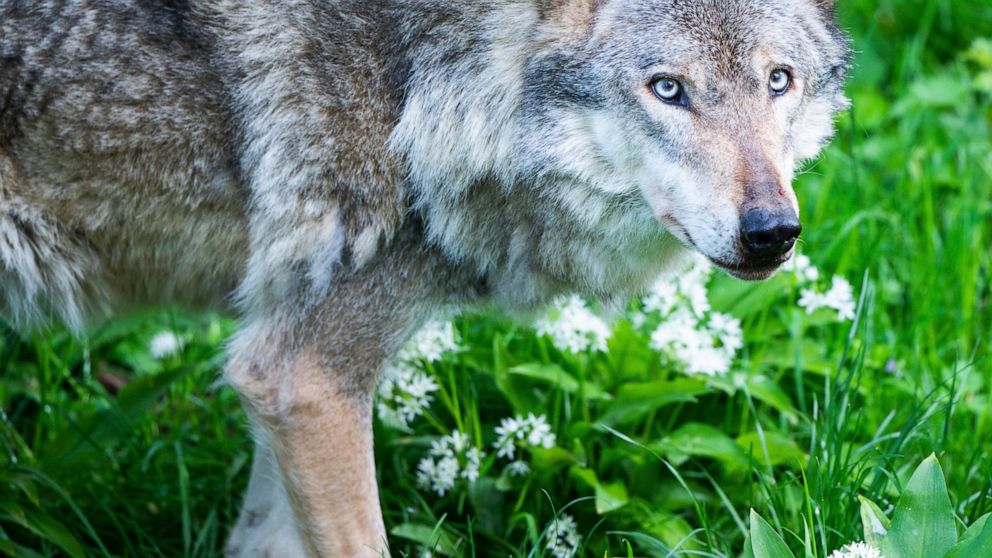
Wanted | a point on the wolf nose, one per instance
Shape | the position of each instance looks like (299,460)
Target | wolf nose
(770,233)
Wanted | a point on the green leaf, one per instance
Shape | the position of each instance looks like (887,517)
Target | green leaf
(782,450)
(635,400)
(874,522)
(765,542)
(923,523)
(431,538)
(558,377)
(701,440)
(55,532)
(976,540)
(748,548)
(92,434)
(610,497)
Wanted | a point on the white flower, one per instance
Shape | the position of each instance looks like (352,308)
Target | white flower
(450,458)
(404,393)
(518,469)
(857,550)
(686,287)
(431,343)
(573,327)
(840,298)
(810,300)
(663,296)
(802,268)
(563,537)
(700,349)
(523,433)
(164,344)
(727,329)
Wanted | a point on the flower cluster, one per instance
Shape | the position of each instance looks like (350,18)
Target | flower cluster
(857,550)
(573,327)
(839,297)
(433,340)
(520,433)
(689,333)
(404,391)
(450,458)
(563,537)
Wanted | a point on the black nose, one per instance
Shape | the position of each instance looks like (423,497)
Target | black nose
(770,233)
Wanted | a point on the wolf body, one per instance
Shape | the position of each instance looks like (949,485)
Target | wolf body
(332,171)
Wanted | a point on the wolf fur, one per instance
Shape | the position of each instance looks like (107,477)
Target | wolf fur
(330,171)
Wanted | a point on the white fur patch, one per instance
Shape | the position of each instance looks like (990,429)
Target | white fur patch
(266,527)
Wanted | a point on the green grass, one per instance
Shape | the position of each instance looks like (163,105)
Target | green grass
(106,451)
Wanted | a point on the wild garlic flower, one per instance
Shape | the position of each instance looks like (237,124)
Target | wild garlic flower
(434,340)
(688,333)
(164,344)
(523,434)
(839,298)
(563,537)
(518,469)
(681,289)
(573,327)
(802,268)
(857,550)
(449,460)
(404,393)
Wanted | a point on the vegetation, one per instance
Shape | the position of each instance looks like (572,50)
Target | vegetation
(648,432)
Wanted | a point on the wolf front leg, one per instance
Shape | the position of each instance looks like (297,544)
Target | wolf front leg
(312,402)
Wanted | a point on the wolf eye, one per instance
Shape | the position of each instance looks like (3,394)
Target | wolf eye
(779,81)
(668,90)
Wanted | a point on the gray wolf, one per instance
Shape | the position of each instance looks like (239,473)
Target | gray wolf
(331,171)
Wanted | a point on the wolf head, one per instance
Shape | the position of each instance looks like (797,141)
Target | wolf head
(706,107)
(577,137)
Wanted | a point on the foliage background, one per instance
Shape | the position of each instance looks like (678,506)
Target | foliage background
(107,451)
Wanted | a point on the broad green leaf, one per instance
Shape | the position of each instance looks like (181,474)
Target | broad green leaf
(431,538)
(55,532)
(558,377)
(610,496)
(765,542)
(874,522)
(748,550)
(636,400)
(701,440)
(782,450)
(923,523)
(976,540)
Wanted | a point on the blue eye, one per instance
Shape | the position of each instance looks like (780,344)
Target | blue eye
(779,82)
(669,90)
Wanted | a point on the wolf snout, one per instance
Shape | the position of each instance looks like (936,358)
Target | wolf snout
(769,233)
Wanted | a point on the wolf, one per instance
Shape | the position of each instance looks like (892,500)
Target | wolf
(331,172)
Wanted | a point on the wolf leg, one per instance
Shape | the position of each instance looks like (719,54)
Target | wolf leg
(266,526)
(306,373)
(321,440)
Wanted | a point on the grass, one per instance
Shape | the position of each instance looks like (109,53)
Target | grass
(107,451)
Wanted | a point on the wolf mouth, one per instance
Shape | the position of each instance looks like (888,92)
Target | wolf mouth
(754,270)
